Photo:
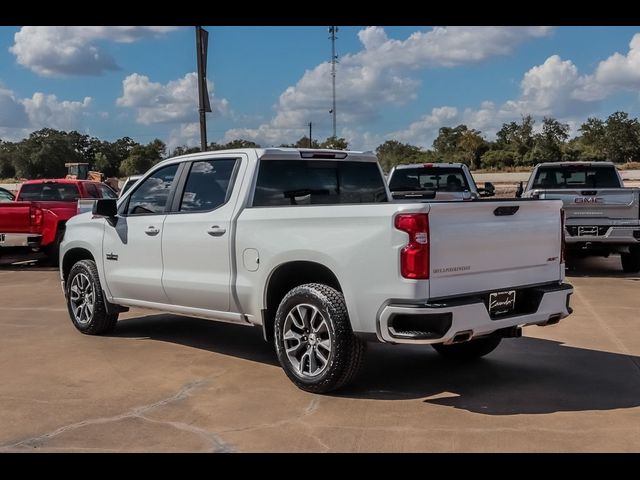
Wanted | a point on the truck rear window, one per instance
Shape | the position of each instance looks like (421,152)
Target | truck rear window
(318,182)
(59,192)
(428,178)
(576,176)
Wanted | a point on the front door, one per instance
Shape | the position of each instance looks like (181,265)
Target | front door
(196,242)
(132,248)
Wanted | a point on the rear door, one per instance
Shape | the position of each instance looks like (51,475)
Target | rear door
(492,245)
(197,237)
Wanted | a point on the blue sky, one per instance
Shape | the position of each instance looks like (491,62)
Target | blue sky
(266,83)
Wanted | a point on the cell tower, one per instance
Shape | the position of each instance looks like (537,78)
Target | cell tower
(334,60)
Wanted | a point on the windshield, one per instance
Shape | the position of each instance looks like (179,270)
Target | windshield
(60,192)
(446,179)
(576,176)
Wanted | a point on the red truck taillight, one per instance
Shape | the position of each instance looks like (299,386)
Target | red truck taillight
(36,216)
(562,242)
(414,257)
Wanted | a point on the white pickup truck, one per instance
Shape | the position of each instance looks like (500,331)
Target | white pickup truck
(435,181)
(602,216)
(308,245)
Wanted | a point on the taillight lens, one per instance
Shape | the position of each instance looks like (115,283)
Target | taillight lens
(414,257)
(562,244)
(36,216)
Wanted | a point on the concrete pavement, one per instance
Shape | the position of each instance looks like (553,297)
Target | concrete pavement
(165,383)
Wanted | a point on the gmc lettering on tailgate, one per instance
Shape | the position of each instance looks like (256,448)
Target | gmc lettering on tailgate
(588,200)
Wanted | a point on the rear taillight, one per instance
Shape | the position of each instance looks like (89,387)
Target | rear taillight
(36,216)
(562,244)
(414,257)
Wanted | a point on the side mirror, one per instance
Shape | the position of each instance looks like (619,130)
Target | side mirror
(489,189)
(105,207)
(519,190)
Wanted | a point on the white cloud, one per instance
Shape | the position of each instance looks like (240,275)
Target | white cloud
(173,102)
(554,88)
(12,112)
(185,134)
(621,71)
(378,75)
(47,111)
(73,50)
(20,116)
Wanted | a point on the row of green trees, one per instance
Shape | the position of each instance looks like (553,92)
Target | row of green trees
(617,138)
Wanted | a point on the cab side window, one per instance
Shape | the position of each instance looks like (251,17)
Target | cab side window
(92,191)
(106,192)
(152,194)
(207,185)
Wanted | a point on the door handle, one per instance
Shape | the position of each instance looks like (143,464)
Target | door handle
(216,231)
(152,230)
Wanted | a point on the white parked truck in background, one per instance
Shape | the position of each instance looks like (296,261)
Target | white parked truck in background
(602,216)
(435,181)
(308,245)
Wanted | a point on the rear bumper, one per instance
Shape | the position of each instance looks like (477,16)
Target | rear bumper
(620,235)
(441,322)
(20,240)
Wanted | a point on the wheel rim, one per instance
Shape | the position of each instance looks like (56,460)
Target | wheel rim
(82,298)
(307,341)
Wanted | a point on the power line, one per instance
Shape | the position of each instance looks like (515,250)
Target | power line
(334,58)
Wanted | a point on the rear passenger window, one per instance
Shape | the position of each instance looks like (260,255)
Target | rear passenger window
(318,182)
(152,194)
(208,185)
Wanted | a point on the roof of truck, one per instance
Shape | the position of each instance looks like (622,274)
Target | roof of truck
(57,180)
(285,153)
(562,164)
(430,165)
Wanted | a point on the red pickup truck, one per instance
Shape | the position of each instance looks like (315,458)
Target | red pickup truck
(35,221)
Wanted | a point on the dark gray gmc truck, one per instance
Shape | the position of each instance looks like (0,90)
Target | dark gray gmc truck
(602,216)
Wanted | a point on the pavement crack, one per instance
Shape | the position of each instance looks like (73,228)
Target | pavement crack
(136,412)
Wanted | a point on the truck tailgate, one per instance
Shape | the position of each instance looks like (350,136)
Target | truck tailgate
(493,245)
(612,203)
(15,217)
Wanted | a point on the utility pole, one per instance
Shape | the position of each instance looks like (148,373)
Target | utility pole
(310,126)
(202,40)
(334,58)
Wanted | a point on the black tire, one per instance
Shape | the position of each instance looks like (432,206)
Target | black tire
(52,251)
(345,357)
(631,261)
(98,321)
(471,350)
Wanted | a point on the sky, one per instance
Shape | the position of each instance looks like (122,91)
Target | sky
(267,83)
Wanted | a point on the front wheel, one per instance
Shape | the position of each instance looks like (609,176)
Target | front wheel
(631,261)
(467,351)
(314,340)
(86,302)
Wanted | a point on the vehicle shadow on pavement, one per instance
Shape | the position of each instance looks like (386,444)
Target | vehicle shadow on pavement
(522,376)
(599,267)
(224,338)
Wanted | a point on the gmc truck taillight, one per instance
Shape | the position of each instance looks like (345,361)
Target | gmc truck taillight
(36,216)
(414,257)
(562,243)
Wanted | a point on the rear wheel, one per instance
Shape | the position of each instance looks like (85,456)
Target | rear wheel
(314,340)
(467,351)
(631,261)
(86,302)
